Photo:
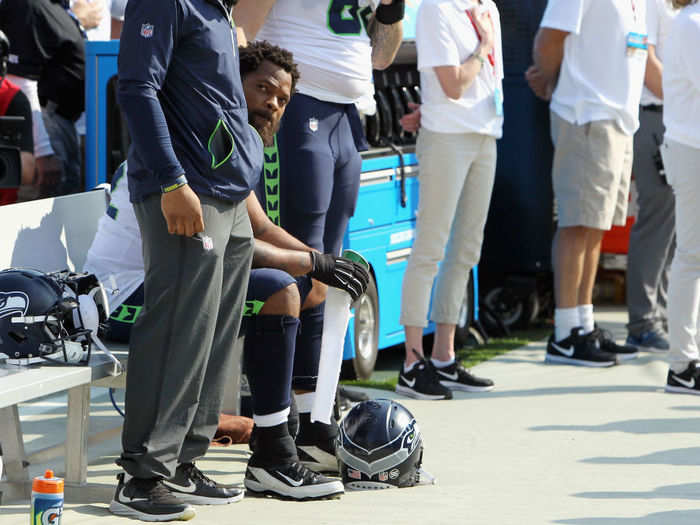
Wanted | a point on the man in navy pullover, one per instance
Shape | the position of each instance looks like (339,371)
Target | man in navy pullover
(192,162)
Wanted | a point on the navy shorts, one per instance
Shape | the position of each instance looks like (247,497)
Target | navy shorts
(265,282)
(319,144)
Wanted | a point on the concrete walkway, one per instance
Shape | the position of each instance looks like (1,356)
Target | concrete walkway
(552,444)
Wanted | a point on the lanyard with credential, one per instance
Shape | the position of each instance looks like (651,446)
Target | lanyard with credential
(492,56)
(497,93)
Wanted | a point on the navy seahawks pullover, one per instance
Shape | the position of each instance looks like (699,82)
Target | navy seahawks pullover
(180,90)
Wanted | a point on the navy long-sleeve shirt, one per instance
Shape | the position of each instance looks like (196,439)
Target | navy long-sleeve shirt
(180,90)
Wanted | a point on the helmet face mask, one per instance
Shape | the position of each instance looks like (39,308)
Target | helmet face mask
(43,317)
(379,446)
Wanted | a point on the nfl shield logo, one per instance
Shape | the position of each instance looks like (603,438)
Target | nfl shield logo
(313,124)
(146,30)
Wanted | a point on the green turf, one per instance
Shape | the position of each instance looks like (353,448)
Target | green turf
(385,373)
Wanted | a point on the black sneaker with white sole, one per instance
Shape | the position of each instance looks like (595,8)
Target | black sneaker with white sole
(315,444)
(456,377)
(148,500)
(190,485)
(578,350)
(607,343)
(422,382)
(686,382)
(290,481)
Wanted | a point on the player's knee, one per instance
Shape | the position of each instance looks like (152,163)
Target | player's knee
(316,296)
(283,302)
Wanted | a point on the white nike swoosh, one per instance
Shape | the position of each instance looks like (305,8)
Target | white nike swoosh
(409,383)
(188,489)
(687,384)
(292,482)
(566,351)
(453,377)
(124,497)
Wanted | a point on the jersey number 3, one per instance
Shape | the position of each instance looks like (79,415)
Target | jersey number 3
(346,18)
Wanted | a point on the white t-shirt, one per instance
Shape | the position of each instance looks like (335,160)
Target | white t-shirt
(659,17)
(331,47)
(445,36)
(599,78)
(681,79)
(116,249)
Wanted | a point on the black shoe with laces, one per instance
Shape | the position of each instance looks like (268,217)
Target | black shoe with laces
(607,343)
(686,382)
(148,500)
(578,350)
(456,377)
(315,444)
(422,382)
(190,485)
(290,481)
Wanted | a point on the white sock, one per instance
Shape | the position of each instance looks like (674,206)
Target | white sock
(442,364)
(585,314)
(271,420)
(408,368)
(564,320)
(305,402)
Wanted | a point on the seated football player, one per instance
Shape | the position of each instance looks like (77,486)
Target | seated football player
(286,278)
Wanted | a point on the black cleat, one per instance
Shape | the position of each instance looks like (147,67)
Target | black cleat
(291,481)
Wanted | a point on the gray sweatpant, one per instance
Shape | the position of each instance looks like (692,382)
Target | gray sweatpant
(182,343)
(653,235)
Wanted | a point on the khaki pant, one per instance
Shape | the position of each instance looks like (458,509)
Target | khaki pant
(456,178)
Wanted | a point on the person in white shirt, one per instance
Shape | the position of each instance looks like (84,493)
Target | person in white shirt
(652,238)
(461,71)
(681,155)
(589,59)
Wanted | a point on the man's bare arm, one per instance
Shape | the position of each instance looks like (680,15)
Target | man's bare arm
(385,41)
(548,54)
(250,15)
(293,262)
(654,73)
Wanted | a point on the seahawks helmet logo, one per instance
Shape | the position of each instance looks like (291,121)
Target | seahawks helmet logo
(13,303)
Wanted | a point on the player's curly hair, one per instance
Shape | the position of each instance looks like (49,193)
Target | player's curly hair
(256,52)
(682,3)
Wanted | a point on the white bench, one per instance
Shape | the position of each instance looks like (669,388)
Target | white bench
(48,235)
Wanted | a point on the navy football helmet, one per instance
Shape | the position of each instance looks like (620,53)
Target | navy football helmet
(379,446)
(53,317)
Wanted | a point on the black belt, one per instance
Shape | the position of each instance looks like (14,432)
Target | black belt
(653,107)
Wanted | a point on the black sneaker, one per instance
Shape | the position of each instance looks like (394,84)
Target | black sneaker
(190,485)
(578,350)
(422,382)
(687,382)
(607,344)
(291,481)
(316,444)
(148,500)
(456,377)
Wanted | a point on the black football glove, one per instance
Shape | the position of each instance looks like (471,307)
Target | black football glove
(339,272)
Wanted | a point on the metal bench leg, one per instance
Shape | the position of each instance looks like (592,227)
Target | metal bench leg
(13,455)
(77,434)
(232,393)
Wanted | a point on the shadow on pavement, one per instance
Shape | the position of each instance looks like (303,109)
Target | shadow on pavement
(671,517)
(680,456)
(634,426)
